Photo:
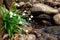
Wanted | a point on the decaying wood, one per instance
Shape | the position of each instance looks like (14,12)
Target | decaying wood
(44,8)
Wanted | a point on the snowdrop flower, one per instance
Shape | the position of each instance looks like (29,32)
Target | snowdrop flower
(14,14)
(11,16)
(31,16)
(23,14)
(26,31)
(11,13)
(25,11)
(20,22)
(17,4)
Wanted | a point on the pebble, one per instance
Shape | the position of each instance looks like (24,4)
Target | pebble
(57,19)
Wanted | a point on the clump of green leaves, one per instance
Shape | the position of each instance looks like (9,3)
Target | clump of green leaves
(11,19)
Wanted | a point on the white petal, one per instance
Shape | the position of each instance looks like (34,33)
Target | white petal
(20,22)
(25,11)
(11,13)
(31,16)
(23,14)
(14,14)
(11,16)
(17,4)
(26,30)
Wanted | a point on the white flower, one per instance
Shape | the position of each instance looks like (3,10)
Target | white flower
(17,4)
(23,14)
(25,11)
(26,31)
(11,16)
(31,16)
(14,14)
(11,13)
(20,22)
